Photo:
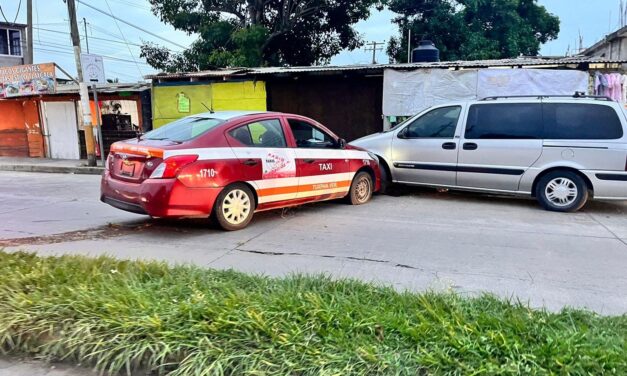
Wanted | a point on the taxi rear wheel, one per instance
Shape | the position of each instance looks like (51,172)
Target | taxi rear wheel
(361,189)
(234,207)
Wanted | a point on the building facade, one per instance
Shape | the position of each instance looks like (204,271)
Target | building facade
(13,47)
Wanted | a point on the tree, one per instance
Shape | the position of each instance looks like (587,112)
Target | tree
(258,32)
(474,29)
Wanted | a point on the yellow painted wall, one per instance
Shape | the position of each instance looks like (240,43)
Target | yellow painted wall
(246,95)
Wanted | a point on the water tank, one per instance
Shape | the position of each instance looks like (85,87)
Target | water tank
(426,52)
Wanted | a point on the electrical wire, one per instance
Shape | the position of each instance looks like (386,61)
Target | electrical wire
(19,7)
(90,38)
(124,38)
(130,24)
(3,16)
(72,53)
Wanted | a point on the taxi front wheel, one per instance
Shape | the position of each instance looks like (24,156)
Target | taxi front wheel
(234,207)
(361,189)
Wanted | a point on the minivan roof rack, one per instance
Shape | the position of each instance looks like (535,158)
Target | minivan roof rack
(578,95)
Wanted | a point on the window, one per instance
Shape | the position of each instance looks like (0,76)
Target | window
(183,129)
(10,42)
(505,121)
(4,42)
(574,121)
(438,123)
(16,42)
(308,136)
(265,134)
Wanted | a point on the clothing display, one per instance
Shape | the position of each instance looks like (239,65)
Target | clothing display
(612,85)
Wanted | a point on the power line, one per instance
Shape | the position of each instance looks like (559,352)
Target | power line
(130,24)
(19,7)
(71,53)
(91,37)
(124,38)
(3,16)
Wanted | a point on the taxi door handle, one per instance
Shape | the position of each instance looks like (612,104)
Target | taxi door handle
(309,160)
(250,162)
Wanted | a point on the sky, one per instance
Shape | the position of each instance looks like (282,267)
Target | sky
(107,37)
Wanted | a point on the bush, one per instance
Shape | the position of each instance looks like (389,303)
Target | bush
(126,315)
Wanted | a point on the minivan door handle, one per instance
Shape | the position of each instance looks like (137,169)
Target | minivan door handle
(449,146)
(470,146)
(309,160)
(250,162)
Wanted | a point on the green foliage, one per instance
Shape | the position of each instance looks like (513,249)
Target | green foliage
(474,29)
(257,33)
(125,315)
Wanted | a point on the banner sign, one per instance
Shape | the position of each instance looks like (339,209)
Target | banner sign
(22,80)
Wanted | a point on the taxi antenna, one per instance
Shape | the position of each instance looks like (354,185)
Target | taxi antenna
(210,109)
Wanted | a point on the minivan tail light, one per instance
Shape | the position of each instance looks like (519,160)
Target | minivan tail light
(171,166)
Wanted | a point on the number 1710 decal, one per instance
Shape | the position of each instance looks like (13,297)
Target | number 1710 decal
(207,173)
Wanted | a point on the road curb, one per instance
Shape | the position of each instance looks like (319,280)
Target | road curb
(83,170)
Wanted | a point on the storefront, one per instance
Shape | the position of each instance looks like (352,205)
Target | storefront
(47,124)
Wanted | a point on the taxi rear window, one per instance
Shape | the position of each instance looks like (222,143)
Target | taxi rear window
(183,129)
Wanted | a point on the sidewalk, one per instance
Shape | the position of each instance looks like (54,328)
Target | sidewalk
(17,367)
(67,166)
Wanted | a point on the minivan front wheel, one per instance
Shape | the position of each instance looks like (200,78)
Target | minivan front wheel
(562,191)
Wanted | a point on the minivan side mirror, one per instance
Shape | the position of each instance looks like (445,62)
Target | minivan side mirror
(341,143)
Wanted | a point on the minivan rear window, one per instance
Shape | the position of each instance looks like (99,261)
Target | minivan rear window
(504,121)
(579,121)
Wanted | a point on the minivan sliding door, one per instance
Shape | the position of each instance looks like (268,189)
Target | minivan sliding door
(500,142)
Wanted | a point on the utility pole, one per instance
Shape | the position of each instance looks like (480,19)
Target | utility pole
(409,46)
(83,89)
(373,47)
(86,37)
(29,31)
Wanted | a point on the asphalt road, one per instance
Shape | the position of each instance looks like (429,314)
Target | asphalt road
(462,242)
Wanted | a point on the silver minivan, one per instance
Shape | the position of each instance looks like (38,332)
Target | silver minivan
(561,150)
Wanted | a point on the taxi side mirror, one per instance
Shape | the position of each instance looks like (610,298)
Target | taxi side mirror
(341,143)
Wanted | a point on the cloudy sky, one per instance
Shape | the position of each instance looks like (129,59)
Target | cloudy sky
(107,38)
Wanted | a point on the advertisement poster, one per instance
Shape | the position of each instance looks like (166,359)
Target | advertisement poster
(23,80)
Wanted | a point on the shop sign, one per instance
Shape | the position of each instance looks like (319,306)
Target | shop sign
(23,80)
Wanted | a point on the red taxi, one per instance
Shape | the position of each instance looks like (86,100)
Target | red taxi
(231,164)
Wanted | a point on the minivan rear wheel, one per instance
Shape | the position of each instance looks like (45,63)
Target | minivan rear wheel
(562,191)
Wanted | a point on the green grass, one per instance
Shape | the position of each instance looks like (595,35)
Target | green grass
(123,315)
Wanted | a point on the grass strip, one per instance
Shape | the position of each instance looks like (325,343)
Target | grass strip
(126,315)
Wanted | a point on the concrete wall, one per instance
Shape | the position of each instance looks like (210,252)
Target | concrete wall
(615,49)
(9,61)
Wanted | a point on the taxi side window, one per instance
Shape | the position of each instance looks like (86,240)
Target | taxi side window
(308,136)
(264,134)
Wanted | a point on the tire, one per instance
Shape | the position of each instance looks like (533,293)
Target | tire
(562,191)
(361,189)
(234,207)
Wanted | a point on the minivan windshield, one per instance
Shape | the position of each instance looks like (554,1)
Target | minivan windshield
(183,129)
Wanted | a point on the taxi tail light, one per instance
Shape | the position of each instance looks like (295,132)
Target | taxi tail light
(171,166)
(109,162)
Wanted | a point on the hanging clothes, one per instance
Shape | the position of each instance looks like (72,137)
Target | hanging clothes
(617,87)
(624,94)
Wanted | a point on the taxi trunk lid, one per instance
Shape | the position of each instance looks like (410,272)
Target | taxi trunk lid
(135,160)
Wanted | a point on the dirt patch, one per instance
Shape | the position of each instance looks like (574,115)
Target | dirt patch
(108,231)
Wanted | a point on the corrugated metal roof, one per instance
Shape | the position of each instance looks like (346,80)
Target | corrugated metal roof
(104,88)
(523,61)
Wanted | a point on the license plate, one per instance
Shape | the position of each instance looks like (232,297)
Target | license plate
(128,168)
